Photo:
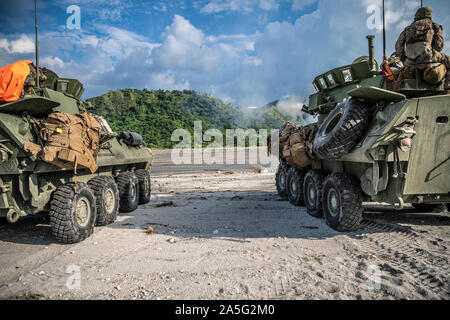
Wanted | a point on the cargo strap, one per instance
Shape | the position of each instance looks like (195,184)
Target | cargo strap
(387,71)
(75,173)
(398,177)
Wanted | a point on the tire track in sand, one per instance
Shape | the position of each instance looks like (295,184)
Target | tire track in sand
(403,252)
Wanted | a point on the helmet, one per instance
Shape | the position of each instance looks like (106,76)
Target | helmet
(424,12)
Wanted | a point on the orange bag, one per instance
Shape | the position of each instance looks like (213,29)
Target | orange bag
(12,79)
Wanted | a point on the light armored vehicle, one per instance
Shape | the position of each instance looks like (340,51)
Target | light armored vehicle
(75,199)
(380,137)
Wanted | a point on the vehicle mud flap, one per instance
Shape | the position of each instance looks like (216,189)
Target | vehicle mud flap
(370,179)
(34,189)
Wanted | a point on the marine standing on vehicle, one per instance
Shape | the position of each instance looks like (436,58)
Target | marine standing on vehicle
(422,42)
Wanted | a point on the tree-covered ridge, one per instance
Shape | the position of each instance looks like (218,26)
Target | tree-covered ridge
(156,114)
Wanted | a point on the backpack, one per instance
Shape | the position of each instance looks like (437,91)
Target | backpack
(296,145)
(68,140)
(420,31)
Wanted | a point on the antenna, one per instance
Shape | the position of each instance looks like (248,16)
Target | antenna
(37,48)
(384,34)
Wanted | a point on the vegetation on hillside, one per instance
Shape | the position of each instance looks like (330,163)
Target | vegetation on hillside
(156,114)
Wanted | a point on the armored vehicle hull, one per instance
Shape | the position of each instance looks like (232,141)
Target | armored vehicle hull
(75,199)
(379,139)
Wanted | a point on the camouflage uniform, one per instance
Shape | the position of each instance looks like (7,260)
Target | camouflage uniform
(422,43)
(30,81)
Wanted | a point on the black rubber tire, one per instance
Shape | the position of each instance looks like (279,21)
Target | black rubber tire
(348,213)
(342,129)
(128,185)
(63,216)
(281,178)
(102,186)
(145,186)
(313,197)
(294,186)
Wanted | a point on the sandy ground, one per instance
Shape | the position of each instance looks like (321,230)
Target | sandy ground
(227,235)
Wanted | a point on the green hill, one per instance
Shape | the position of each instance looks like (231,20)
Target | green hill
(156,114)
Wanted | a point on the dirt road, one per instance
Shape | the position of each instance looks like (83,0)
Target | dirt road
(226,235)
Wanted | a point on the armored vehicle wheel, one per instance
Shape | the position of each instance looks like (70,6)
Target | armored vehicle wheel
(280,180)
(312,192)
(342,129)
(128,185)
(342,202)
(107,199)
(294,186)
(72,212)
(145,187)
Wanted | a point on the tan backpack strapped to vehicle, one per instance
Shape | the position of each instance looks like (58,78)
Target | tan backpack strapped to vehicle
(283,136)
(68,140)
(296,145)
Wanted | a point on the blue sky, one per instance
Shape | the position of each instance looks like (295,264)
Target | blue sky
(246,52)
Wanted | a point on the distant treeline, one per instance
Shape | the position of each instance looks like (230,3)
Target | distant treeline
(156,114)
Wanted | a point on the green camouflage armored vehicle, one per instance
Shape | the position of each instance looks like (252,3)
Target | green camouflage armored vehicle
(379,138)
(76,200)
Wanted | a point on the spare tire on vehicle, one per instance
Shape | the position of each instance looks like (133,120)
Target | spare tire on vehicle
(342,129)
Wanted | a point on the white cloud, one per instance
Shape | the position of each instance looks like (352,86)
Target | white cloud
(268,5)
(161,7)
(253,61)
(4,44)
(184,46)
(119,42)
(301,4)
(111,59)
(25,44)
(245,6)
(88,40)
(183,30)
(167,81)
(240,42)
(52,62)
